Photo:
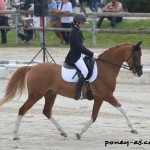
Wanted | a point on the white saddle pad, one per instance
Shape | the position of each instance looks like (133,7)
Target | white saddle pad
(67,74)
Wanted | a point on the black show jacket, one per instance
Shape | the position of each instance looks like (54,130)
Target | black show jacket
(76,46)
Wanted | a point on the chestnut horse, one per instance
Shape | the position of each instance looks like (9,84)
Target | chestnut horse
(45,79)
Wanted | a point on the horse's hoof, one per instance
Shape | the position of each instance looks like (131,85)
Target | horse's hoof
(16,138)
(63,134)
(134,131)
(78,136)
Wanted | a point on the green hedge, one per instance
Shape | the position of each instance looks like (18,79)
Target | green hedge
(136,5)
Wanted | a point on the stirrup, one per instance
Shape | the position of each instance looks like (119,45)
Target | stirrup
(89,95)
(77,96)
(89,92)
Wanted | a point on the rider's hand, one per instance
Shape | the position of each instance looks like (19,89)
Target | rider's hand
(95,55)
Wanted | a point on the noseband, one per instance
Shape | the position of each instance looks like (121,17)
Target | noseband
(134,68)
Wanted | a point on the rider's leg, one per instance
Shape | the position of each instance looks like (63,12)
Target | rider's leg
(84,71)
(79,87)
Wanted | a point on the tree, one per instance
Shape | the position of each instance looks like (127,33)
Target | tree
(136,5)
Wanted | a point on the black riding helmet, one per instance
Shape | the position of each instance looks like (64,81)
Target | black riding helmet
(79,17)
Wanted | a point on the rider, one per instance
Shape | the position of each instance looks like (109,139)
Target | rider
(77,48)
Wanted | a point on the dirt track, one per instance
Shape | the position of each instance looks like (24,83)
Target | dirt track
(36,132)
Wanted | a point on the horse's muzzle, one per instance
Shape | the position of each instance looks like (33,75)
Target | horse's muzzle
(137,70)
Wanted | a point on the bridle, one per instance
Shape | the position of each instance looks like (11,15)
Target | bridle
(134,68)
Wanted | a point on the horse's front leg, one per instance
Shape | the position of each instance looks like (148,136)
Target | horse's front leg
(96,107)
(129,122)
(116,104)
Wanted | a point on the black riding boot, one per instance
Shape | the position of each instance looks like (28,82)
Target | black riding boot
(79,87)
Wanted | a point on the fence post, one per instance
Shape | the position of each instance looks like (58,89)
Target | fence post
(93,31)
(16,26)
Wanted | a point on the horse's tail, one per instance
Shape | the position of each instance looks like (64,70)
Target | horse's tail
(16,84)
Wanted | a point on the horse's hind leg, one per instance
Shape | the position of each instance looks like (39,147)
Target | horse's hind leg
(26,106)
(49,102)
(117,105)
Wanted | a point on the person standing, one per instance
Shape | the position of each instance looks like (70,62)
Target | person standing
(26,4)
(65,7)
(77,49)
(93,5)
(54,19)
(113,6)
(83,4)
(3,19)
(74,6)
(38,22)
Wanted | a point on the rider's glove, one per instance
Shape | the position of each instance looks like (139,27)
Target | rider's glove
(95,55)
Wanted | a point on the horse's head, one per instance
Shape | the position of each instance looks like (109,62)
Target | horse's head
(134,60)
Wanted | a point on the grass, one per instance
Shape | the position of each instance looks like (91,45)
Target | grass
(103,40)
(111,39)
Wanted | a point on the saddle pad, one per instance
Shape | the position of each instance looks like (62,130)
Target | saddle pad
(67,74)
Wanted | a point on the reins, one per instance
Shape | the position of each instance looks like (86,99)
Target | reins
(119,66)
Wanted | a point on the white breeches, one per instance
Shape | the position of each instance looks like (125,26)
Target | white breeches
(82,67)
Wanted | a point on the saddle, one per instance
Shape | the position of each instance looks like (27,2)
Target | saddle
(90,65)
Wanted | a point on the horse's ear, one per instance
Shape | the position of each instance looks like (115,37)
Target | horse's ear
(137,46)
(139,43)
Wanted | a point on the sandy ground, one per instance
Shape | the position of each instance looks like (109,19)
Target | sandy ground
(38,133)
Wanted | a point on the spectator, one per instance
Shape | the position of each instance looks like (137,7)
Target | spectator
(65,7)
(38,22)
(26,35)
(93,5)
(3,20)
(8,4)
(54,20)
(112,6)
(83,5)
(26,4)
(74,6)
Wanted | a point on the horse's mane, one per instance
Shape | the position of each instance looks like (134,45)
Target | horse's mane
(114,48)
